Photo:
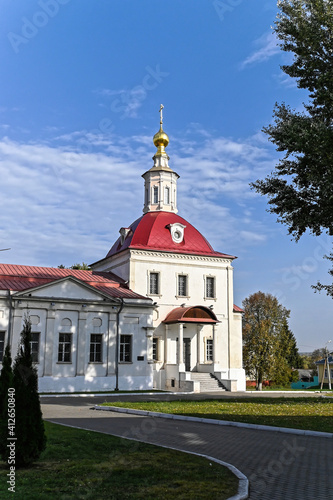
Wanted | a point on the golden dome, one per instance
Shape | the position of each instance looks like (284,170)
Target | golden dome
(161,138)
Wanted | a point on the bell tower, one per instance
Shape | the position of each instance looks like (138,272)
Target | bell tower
(160,180)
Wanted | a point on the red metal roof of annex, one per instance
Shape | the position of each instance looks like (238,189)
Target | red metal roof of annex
(19,278)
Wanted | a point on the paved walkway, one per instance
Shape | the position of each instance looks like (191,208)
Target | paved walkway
(279,466)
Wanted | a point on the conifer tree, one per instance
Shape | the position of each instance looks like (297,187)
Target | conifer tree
(6,382)
(31,439)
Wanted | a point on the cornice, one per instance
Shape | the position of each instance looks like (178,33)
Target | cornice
(179,256)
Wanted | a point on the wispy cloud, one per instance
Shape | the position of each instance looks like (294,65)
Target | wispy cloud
(65,201)
(266,47)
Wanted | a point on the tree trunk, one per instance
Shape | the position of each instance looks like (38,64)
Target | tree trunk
(259,382)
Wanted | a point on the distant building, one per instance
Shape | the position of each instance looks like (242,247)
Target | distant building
(325,366)
(156,312)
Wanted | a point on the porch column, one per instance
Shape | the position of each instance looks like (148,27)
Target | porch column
(166,361)
(216,363)
(199,340)
(214,341)
(181,364)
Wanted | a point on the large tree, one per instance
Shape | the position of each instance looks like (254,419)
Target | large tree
(300,187)
(269,347)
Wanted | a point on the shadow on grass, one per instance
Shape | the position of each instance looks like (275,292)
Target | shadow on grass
(79,464)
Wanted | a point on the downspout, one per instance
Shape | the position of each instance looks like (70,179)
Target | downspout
(117,343)
(10,321)
(229,318)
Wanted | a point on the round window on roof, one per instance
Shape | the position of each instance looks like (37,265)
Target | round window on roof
(177,232)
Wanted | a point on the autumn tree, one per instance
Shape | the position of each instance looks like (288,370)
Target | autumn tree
(269,347)
(299,190)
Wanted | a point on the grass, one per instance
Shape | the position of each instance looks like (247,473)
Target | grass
(79,464)
(297,413)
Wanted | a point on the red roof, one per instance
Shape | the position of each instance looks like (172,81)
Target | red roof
(197,314)
(20,278)
(151,232)
(237,309)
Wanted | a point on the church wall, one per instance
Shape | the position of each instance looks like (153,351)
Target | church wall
(51,320)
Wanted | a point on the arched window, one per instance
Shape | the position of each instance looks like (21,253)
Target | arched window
(167,195)
(155,194)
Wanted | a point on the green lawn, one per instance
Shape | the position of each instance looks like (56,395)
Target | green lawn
(79,464)
(298,413)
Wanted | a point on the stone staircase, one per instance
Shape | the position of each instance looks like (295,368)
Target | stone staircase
(208,382)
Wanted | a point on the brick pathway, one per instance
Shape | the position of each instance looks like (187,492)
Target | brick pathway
(279,466)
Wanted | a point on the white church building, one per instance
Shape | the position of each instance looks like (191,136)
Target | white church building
(156,312)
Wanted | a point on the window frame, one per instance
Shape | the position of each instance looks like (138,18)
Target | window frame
(209,350)
(2,344)
(167,195)
(155,195)
(179,277)
(126,348)
(92,348)
(62,352)
(208,279)
(154,290)
(33,343)
(156,349)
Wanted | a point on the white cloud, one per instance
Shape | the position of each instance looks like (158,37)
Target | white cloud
(65,201)
(125,101)
(267,47)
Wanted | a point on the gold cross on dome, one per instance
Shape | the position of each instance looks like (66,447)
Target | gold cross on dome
(161,115)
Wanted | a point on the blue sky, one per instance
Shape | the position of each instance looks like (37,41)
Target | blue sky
(80,88)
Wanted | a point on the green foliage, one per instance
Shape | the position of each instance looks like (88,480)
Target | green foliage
(29,429)
(6,382)
(269,347)
(83,266)
(300,188)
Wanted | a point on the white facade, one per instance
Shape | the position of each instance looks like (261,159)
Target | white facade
(178,277)
(135,266)
(165,315)
(66,311)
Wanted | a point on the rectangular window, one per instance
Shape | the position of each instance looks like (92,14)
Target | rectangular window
(182,285)
(154,283)
(210,287)
(209,350)
(34,346)
(65,348)
(2,345)
(155,349)
(155,194)
(167,196)
(125,348)
(95,348)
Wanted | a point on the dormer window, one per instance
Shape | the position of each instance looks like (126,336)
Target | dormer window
(123,234)
(177,232)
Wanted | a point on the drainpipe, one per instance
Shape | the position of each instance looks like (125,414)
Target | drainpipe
(117,343)
(10,316)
